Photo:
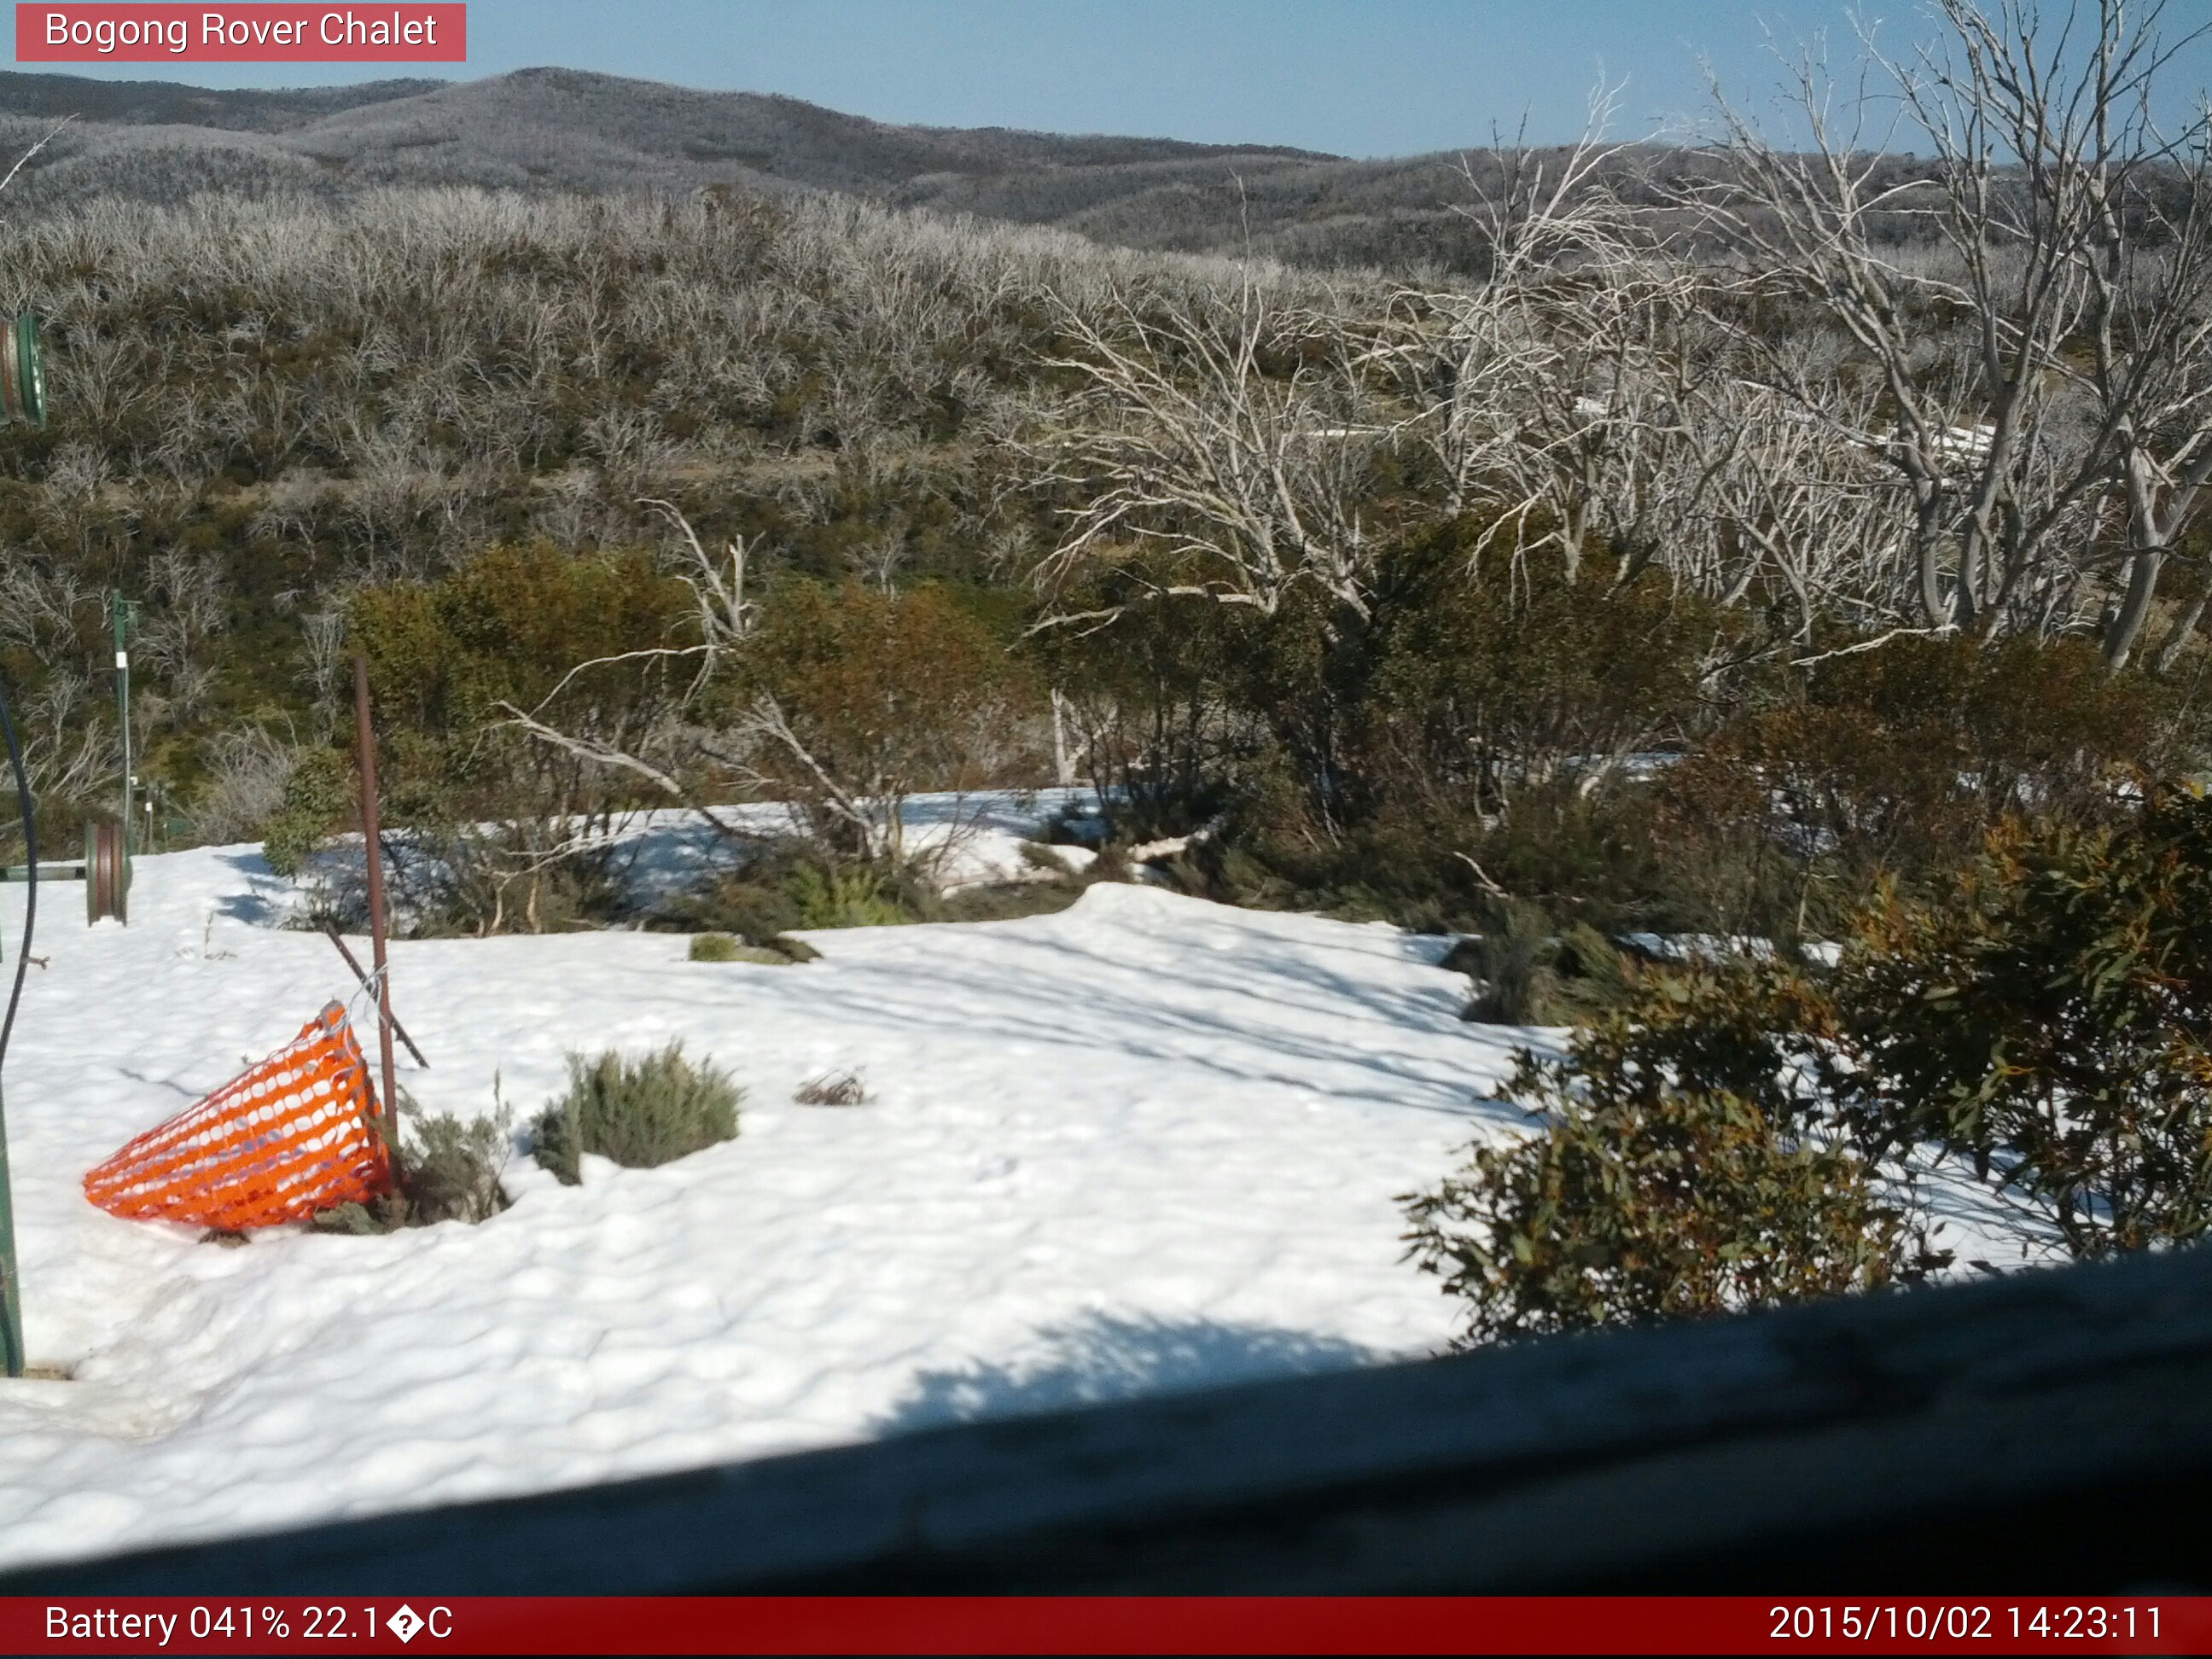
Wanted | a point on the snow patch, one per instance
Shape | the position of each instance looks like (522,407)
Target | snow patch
(1145,1142)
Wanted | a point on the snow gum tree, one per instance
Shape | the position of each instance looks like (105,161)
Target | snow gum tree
(2042,351)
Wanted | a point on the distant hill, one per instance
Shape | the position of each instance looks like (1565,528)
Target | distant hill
(566,129)
(139,103)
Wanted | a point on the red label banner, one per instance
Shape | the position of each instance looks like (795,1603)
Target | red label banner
(286,34)
(1098,1625)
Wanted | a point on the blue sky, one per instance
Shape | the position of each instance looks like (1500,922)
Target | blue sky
(1358,77)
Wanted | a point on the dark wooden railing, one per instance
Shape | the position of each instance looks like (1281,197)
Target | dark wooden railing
(2046,1433)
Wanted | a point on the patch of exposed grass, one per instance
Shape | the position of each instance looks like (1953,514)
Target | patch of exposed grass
(832,1088)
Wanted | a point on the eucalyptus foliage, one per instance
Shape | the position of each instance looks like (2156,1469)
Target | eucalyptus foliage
(1739,1136)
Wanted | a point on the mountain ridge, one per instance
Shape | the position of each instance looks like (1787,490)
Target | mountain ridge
(566,129)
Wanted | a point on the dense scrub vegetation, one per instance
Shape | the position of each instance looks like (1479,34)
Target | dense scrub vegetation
(1753,1132)
(269,435)
(489,439)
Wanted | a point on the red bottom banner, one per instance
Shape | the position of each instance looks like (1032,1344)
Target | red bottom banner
(1104,1624)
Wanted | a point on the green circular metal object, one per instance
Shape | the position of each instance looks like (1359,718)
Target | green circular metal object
(106,874)
(22,371)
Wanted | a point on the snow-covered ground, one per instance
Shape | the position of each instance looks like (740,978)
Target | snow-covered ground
(1147,1143)
(1144,1143)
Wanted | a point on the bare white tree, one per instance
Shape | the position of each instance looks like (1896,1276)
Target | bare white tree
(2044,369)
(247,771)
(190,611)
(1221,451)
(324,631)
(1549,393)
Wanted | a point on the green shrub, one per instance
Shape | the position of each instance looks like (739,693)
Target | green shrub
(640,1113)
(504,824)
(1526,974)
(449,1169)
(797,886)
(1009,901)
(1513,984)
(2053,1024)
(882,692)
(1637,1204)
(753,908)
(1489,675)
(319,796)
(850,896)
(1731,1139)
(1682,1167)
(452,1172)
(1584,854)
(1786,817)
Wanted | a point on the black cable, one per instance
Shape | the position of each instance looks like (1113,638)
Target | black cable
(31,867)
(11,1326)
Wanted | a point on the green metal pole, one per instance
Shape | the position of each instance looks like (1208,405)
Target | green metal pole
(11,1294)
(11,1299)
(123,611)
(23,397)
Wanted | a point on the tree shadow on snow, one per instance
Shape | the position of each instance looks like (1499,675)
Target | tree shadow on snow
(1199,1010)
(264,902)
(1109,1358)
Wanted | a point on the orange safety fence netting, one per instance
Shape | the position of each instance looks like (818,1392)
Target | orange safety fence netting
(290,1137)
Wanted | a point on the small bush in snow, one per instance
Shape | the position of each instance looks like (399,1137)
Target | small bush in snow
(797,884)
(752,907)
(639,1112)
(1526,974)
(1048,859)
(1005,901)
(452,1171)
(777,951)
(1514,985)
(448,1170)
(851,896)
(832,1088)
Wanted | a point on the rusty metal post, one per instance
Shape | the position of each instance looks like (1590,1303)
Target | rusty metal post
(371,835)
